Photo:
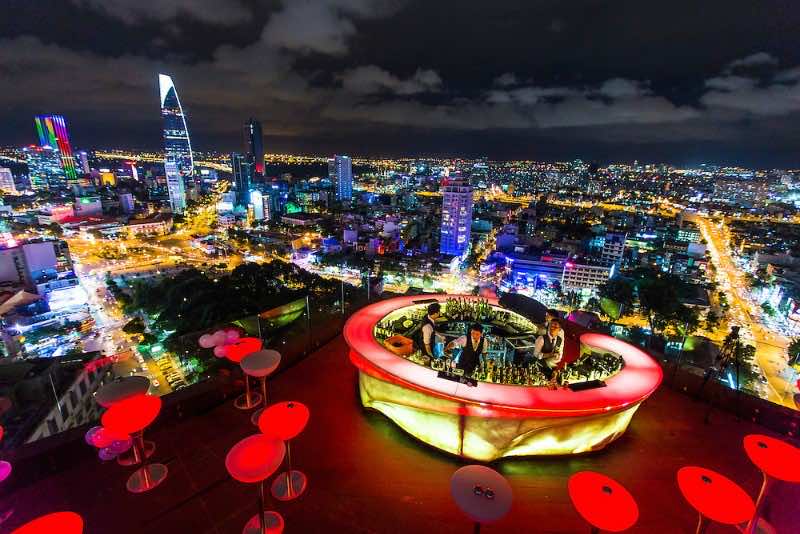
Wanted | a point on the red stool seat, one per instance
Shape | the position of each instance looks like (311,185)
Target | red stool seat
(253,460)
(132,415)
(122,388)
(483,494)
(284,420)
(58,522)
(101,437)
(715,496)
(602,501)
(774,457)
(241,348)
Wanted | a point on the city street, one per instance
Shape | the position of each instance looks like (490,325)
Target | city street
(770,346)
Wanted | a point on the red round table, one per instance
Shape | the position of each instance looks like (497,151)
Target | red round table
(777,460)
(57,522)
(602,501)
(253,460)
(285,420)
(260,365)
(235,352)
(715,497)
(131,416)
(483,494)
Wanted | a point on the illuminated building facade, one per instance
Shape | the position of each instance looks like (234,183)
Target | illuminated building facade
(52,132)
(243,168)
(175,187)
(44,168)
(340,172)
(456,216)
(7,184)
(254,146)
(178,160)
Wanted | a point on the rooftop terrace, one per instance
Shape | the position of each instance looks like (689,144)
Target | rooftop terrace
(367,476)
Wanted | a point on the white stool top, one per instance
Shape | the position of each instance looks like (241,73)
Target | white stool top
(122,388)
(469,487)
(261,363)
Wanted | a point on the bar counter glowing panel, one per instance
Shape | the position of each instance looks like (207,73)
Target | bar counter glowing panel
(494,420)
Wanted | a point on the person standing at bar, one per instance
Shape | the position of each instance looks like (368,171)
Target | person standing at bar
(428,330)
(549,348)
(471,348)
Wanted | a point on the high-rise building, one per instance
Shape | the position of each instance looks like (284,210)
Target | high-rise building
(178,161)
(456,216)
(83,158)
(254,146)
(613,248)
(340,172)
(44,168)
(7,184)
(52,132)
(242,166)
(175,187)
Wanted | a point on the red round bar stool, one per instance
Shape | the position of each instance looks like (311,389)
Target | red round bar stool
(481,493)
(120,389)
(132,416)
(57,522)
(260,365)
(285,420)
(777,460)
(715,497)
(602,501)
(252,461)
(5,467)
(109,444)
(236,353)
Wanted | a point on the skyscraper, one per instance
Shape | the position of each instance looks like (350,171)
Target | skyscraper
(178,161)
(52,132)
(340,172)
(254,145)
(243,167)
(175,187)
(456,216)
(44,168)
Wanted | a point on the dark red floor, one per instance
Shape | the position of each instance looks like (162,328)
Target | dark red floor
(368,476)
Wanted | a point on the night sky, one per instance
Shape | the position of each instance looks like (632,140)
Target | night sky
(682,81)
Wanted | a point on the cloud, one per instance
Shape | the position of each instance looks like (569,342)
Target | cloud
(739,95)
(222,12)
(753,60)
(371,79)
(505,80)
(622,88)
(322,26)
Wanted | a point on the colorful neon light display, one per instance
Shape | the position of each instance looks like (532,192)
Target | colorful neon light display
(491,421)
(52,132)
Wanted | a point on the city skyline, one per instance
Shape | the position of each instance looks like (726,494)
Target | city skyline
(638,83)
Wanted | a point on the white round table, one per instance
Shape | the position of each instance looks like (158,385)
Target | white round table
(122,388)
(483,494)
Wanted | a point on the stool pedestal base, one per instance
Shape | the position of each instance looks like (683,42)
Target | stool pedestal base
(146,478)
(289,485)
(129,458)
(273,522)
(243,402)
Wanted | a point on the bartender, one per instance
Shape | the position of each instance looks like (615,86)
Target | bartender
(472,348)
(429,333)
(549,347)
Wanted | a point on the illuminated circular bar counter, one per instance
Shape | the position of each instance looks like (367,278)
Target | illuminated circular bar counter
(484,420)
